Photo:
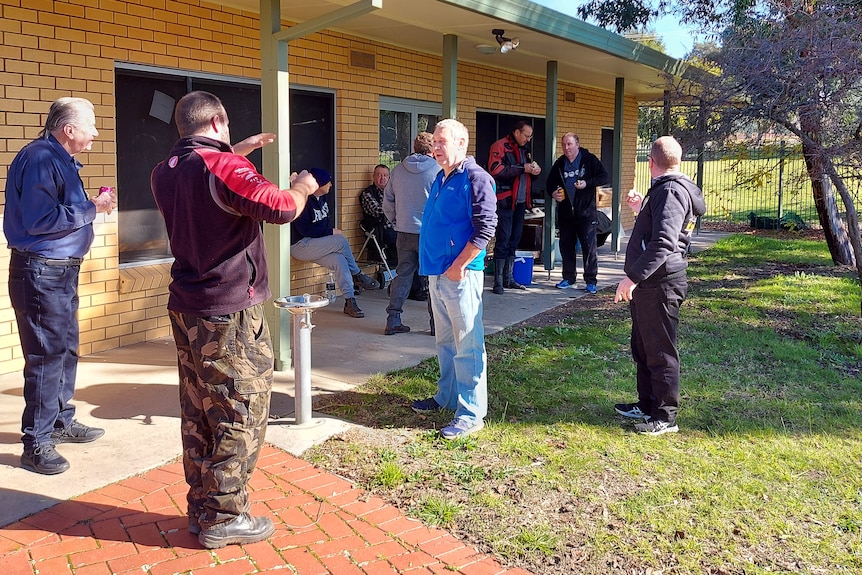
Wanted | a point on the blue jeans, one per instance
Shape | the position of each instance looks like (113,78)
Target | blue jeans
(510,226)
(332,252)
(460,333)
(45,300)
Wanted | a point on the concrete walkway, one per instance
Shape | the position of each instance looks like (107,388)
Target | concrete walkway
(121,507)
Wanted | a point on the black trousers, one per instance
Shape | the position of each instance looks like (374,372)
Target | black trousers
(572,232)
(655,317)
(510,226)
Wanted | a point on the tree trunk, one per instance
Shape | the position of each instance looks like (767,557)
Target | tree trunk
(827,209)
(852,219)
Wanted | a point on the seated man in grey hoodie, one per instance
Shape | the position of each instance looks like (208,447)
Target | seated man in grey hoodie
(403,204)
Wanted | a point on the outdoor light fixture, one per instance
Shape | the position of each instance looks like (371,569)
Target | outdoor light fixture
(506,44)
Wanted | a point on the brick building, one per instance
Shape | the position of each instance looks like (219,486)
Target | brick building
(358,92)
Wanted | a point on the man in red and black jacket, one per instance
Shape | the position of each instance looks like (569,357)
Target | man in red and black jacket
(511,164)
(213,201)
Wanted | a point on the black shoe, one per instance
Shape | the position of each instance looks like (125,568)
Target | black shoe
(351,308)
(393,327)
(365,282)
(242,530)
(656,427)
(497,289)
(631,410)
(44,460)
(76,433)
(512,284)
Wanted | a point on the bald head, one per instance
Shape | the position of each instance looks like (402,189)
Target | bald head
(666,154)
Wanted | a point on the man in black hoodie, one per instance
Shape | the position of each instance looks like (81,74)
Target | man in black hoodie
(572,183)
(656,284)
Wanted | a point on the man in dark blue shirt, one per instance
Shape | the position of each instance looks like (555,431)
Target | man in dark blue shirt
(48,222)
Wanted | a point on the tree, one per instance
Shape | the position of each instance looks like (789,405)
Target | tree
(796,65)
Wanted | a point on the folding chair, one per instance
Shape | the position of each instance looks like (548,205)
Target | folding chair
(386,275)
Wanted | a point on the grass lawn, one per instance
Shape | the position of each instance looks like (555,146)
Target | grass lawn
(764,476)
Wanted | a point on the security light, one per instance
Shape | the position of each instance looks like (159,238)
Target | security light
(506,44)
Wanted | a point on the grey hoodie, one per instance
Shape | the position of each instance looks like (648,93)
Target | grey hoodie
(407,191)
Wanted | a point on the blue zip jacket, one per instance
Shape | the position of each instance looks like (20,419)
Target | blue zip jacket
(461,208)
(47,210)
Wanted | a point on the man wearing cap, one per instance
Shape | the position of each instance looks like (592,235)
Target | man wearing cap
(316,240)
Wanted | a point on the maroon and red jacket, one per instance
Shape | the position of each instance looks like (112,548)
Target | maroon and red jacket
(213,202)
(506,163)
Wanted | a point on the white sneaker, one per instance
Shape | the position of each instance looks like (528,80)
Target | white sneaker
(655,427)
(461,428)
(631,410)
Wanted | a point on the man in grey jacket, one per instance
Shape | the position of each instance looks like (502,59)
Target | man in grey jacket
(403,204)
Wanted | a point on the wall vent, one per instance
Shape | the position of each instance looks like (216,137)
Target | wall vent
(570,96)
(362,60)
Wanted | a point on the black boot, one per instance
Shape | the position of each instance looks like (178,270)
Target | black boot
(509,281)
(351,308)
(498,275)
(394,325)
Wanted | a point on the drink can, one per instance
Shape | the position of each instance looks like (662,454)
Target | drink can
(106,190)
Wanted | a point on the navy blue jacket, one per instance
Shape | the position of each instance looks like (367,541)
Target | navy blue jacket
(662,232)
(47,210)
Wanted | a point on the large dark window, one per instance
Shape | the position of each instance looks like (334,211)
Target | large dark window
(491,126)
(146,133)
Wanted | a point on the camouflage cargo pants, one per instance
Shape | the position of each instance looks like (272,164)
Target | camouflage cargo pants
(225,368)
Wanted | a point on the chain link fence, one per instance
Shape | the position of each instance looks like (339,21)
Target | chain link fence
(766,186)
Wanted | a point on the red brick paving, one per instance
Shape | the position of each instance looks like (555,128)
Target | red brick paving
(324,526)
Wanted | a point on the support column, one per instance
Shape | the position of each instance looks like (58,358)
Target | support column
(450,76)
(552,77)
(275,90)
(617,183)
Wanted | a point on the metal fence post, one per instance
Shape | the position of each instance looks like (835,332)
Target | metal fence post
(781,152)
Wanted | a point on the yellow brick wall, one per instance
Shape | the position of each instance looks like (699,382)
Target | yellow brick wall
(50,49)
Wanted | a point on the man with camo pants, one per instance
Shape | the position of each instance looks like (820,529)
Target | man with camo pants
(213,200)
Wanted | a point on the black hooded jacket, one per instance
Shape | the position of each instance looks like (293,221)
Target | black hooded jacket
(577,203)
(661,235)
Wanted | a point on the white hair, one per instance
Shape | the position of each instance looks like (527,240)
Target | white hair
(456,128)
(65,111)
